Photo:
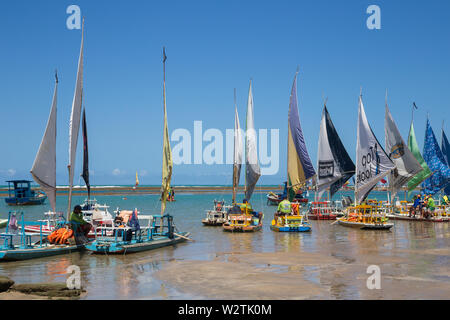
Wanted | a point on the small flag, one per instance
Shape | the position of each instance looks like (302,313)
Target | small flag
(164,54)
(383,181)
(415,107)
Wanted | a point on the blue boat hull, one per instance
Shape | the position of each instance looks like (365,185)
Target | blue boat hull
(133,247)
(25,201)
(35,253)
(290,229)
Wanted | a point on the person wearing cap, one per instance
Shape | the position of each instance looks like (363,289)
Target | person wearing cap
(416,205)
(77,221)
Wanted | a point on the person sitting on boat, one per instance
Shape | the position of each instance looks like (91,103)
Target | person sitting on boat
(417,205)
(172,194)
(430,207)
(78,223)
(246,207)
(284,207)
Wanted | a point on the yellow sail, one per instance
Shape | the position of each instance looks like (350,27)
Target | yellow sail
(167,152)
(137,180)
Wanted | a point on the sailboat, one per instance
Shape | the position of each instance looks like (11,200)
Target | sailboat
(44,173)
(335,168)
(137,182)
(132,235)
(299,171)
(245,220)
(219,214)
(372,165)
(406,168)
(445,148)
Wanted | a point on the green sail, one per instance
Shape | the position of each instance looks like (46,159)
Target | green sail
(423,175)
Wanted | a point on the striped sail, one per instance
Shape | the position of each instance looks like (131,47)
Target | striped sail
(74,125)
(436,162)
(299,165)
(414,148)
(406,164)
(44,166)
(253,172)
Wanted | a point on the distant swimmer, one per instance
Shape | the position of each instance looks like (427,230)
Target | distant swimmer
(124,198)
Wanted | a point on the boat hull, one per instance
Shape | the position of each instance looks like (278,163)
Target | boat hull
(212,223)
(322,216)
(25,201)
(35,253)
(235,228)
(290,229)
(365,226)
(407,218)
(124,248)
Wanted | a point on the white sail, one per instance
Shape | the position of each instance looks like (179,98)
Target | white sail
(238,153)
(74,125)
(44,166)
(372,162)
(404,160)
(252,169)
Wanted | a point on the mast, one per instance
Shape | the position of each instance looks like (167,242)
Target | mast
(237,154)
(74,125)
(167,153)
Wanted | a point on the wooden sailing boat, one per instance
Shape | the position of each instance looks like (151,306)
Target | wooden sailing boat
(334,168)
(245,220)
(300,170)
(132,235)
(372,165)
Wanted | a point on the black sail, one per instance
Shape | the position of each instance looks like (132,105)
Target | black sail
(85,174)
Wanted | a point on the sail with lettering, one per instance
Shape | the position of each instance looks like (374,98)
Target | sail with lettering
(167,152)
(435,160)
(238,152)
(252,169)
(44,166)
(299,165)
(334,165)
(406,164)
(74,125)
(85,173)
(445,148)
(372,162)
(414,148)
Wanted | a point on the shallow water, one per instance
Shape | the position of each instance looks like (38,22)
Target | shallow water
(411,254)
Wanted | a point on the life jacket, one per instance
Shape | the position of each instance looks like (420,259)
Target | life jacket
(60,236)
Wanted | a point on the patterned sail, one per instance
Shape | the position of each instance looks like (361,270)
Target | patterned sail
(44,166)
(300,168)
(334,165)
(238,151)
(436,162)
(372,162)
(252,170)
(414,148)
(406,164)
(445,147)
(167,152)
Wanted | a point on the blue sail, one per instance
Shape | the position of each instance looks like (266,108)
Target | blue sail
(436,162)
(445,147)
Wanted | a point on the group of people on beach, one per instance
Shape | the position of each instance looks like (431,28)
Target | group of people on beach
(423,207)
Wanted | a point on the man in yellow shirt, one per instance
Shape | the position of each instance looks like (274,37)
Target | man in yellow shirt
(284,207)
(246,207)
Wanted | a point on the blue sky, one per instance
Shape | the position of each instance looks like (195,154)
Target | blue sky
(212,48)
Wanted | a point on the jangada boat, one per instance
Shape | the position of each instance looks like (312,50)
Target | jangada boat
(373,164)
(24,248)
(242,220)
(297,221)
(321,210)
(131,236)
(218,215)
(300,171)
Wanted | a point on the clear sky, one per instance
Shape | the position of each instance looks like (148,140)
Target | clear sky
(212,48)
